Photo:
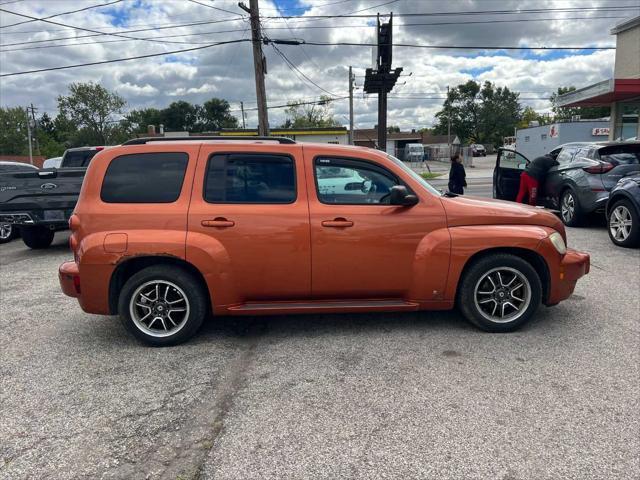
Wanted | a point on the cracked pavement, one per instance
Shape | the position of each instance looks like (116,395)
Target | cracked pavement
(421,395)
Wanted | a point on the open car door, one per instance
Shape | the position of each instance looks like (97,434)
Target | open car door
(506,176)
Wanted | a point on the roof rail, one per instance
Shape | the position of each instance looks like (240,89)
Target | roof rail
(196,138)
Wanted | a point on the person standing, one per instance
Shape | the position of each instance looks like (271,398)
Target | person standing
(533,177)
(457,175)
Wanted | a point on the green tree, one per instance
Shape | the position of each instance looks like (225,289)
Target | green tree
(13,131)
(393,129)
(93,109)
(300,115)
(181,116)
(565,113)
(216,115)
(139,120)
(482,114)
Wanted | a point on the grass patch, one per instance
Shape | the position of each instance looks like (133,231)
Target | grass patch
(431,175)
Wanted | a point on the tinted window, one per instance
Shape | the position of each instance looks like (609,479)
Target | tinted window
(144,178)
(6,168)
(79,158)
(250,178)
(350,182)
(621,154)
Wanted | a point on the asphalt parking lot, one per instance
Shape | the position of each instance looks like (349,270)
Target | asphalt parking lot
(345,396)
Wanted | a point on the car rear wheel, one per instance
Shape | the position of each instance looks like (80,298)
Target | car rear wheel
(162,305)
(570,210)
(7,232)
(624,224)
(37,237)
(500,293)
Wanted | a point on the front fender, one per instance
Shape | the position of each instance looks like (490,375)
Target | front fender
(472,240)
(431,266)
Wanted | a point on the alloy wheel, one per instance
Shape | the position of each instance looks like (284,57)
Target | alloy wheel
(159,308)
(502,294)
(620,223)
(568,207)
(5,231)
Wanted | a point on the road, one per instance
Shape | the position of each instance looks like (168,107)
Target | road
(481,187)
(421,395)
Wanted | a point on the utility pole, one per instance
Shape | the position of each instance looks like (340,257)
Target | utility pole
(242,108)
(350,106)
(259,64)
(448,122)
(35,126)
(382,79)
(29,136)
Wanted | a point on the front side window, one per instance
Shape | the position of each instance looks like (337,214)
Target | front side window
(250,178)
(352,182)
(512,159)
(144,178)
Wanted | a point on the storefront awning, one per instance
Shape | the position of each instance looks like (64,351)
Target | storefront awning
(602,93)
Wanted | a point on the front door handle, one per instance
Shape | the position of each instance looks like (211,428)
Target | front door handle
(219,222)
(337,223)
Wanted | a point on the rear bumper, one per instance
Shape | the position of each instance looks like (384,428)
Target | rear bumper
(564,277)
(69,278)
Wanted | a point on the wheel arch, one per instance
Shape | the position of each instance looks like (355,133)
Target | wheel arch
(617,196)
(532,257)
(127,268)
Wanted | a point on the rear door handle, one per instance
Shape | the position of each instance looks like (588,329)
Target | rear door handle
(337,223)
(219,222)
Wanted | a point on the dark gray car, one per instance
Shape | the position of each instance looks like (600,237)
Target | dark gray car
(579,184)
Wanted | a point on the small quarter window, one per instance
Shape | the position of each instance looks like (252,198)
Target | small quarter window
(144,178)
(250,178)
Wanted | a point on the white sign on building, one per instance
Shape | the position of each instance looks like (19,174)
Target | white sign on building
(600,132)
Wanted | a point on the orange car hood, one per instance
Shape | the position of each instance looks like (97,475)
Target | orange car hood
(464,210)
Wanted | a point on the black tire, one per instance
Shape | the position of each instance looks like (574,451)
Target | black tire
(7,232)
(188,286)
(474,275)
(633,238)
(37,237)
(574,218)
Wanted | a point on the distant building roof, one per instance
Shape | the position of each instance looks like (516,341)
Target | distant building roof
(371,134)
(626,25)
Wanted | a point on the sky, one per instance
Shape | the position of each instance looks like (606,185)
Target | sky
(226,71)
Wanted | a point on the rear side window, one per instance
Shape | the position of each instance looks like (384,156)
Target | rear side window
(565,155)
(250,178)
(144,178)
(621,154)
(80,158)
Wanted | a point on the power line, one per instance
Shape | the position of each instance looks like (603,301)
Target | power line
(87,29)
(99,33)
(285,28)
(445,47)
(215,8)
(295,104)
(58,14)
(126,59)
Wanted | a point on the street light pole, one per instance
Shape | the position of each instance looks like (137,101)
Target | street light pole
(350,106)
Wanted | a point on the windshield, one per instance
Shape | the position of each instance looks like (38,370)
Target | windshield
(415,176)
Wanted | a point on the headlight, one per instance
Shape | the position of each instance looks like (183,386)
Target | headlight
(558,242)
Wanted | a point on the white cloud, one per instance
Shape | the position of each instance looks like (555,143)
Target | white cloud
(227,71)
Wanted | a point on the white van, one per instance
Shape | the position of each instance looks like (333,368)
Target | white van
(414,152)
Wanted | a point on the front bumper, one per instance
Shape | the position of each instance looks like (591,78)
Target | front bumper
(69,277)
(564,276)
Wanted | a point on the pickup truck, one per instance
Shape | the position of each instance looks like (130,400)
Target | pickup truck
(40,202)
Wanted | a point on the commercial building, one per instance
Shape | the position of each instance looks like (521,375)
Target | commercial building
(622,92)
(535,141)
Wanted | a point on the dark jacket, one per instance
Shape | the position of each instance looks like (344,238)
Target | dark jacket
(457,178)
(539,167)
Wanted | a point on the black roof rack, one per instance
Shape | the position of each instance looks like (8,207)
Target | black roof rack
(195,138)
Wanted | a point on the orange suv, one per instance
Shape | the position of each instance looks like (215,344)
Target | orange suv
(168,231)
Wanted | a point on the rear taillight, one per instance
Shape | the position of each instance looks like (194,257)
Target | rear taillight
(99,148)
(603,167)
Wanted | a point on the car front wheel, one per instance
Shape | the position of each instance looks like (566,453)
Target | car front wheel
(624,224)
(499,293)
(162,305)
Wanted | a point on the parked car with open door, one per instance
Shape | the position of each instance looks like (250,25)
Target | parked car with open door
(579,184)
